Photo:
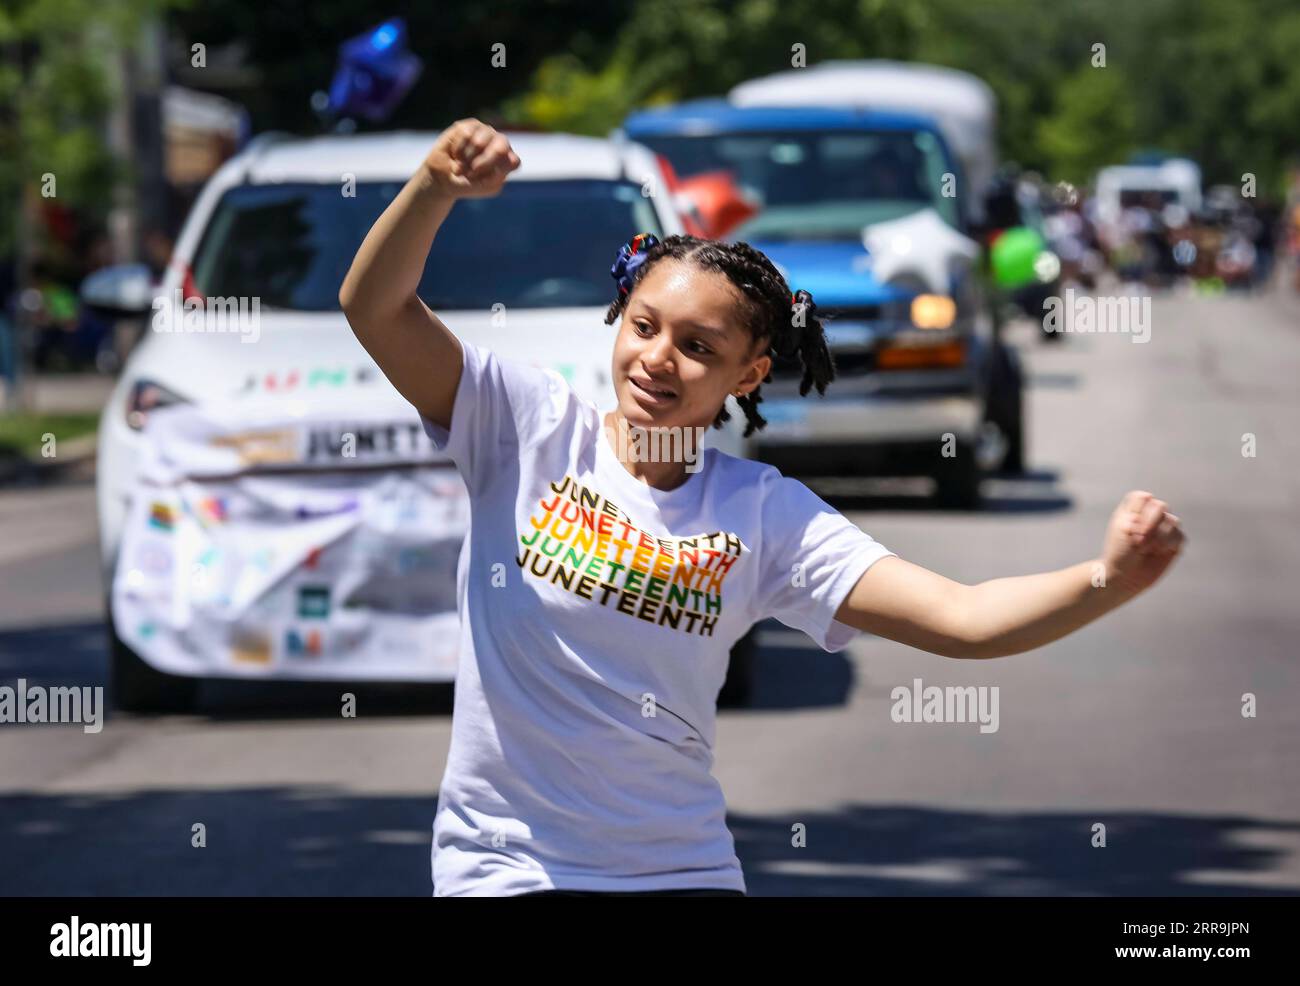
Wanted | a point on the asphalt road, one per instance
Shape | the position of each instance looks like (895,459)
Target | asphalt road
(1134,723)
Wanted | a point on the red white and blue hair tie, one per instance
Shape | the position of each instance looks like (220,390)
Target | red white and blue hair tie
(631,255)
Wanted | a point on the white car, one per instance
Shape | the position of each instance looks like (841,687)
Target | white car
(268,504)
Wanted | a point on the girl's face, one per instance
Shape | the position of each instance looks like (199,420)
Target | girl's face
(682,348)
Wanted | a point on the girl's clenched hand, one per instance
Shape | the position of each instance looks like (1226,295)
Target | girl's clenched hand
(1142,540)
(470,160)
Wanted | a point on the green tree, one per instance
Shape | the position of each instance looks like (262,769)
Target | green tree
(1216,80)
(292,48)
(1092,125)
(682,50)
(56,83)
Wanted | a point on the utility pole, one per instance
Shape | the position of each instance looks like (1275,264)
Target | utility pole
(16,335)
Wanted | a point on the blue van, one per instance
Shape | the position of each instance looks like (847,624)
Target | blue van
(864,210)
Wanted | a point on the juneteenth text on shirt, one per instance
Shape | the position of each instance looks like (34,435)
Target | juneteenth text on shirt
(694,589)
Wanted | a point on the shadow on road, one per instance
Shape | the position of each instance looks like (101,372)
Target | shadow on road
(77,654)
(913,851)
(293,842)
(792,673)
(70,654)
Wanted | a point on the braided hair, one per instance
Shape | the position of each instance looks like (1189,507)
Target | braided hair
(787,322)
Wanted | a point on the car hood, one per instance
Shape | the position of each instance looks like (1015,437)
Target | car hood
(316,359)
(314,362)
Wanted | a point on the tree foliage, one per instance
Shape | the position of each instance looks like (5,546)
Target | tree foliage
(57,89)
(1217,80)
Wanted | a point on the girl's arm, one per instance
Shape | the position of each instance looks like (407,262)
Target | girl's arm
(914,606)
(416,351)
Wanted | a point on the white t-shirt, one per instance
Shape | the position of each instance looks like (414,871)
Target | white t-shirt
(596,619)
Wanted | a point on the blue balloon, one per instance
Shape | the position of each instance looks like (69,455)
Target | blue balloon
(375,72)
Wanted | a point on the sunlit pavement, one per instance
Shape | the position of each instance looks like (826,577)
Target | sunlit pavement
(1134,723)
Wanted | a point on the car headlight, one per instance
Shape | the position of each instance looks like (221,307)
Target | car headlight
(147,396)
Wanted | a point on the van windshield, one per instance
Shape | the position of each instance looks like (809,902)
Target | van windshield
(812,185)
(539,244)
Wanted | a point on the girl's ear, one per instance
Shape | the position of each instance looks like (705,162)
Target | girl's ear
(754,376)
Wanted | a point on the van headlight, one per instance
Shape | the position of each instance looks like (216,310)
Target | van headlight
(933,311)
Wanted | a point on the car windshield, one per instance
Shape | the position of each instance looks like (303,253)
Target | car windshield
(539,244)
(821,185)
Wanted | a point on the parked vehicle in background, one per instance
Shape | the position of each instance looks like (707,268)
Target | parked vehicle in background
(1120,187)
(853,206)
(1137,205)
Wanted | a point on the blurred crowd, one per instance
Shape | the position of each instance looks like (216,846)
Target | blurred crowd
(68,335)
(1153,241)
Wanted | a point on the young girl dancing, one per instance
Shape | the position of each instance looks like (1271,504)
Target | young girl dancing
(600,589)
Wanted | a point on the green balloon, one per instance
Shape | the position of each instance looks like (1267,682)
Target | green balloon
(1013,255)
